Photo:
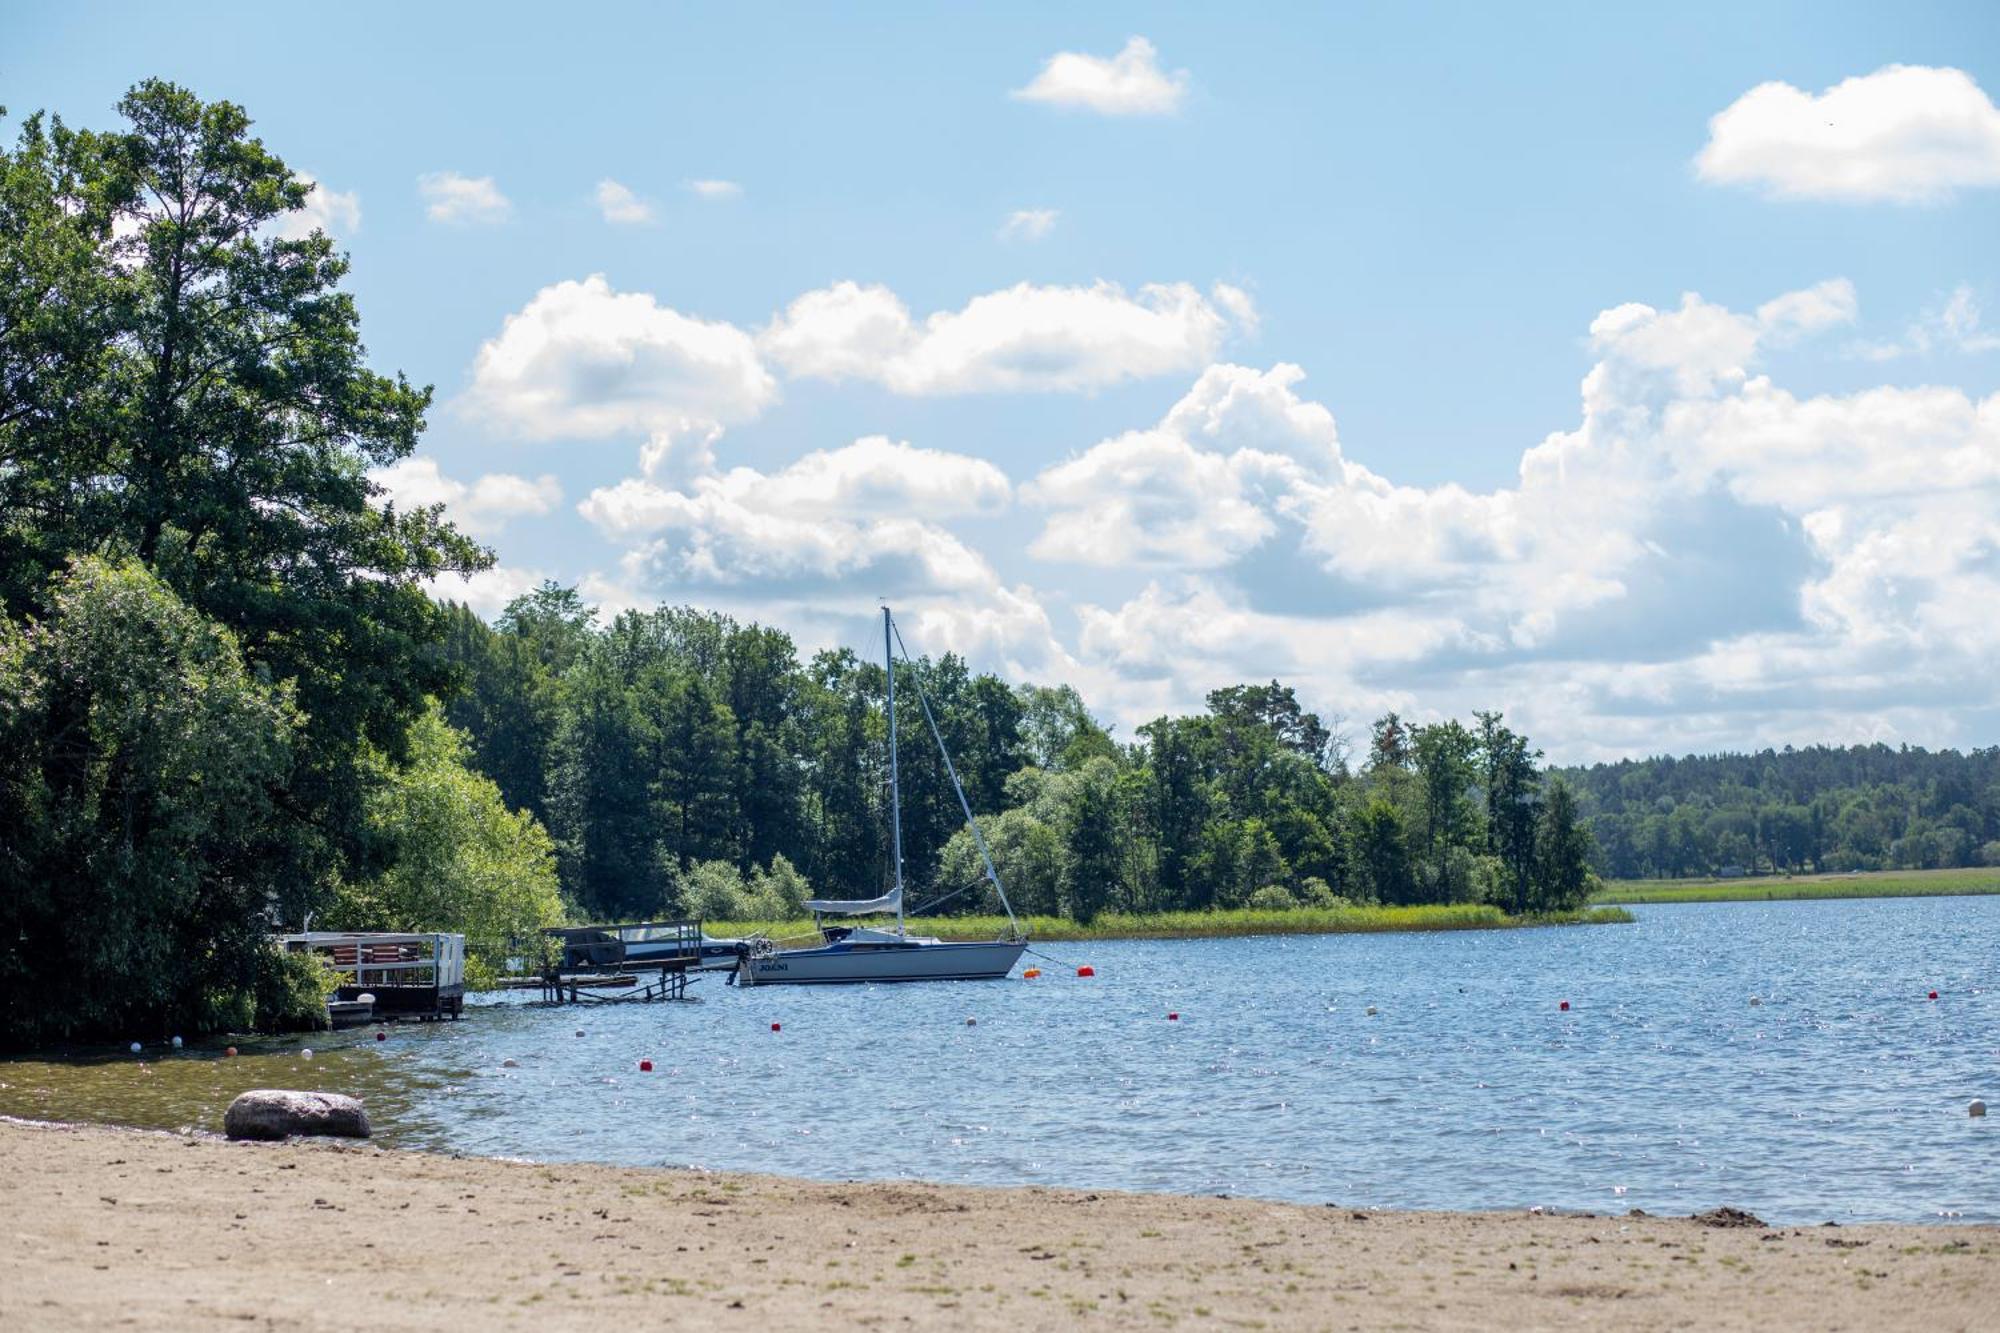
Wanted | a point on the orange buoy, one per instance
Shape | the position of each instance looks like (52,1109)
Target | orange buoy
(1031,974)
(645,1066)
(229,1050)
(1564,1006)
(1086,971)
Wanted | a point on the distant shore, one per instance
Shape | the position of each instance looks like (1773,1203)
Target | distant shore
(165,1230)
(1219,924)
(1761,888)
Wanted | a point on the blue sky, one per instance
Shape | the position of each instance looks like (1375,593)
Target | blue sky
(1511,468)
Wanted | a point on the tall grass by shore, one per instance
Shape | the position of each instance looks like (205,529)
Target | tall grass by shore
(1201,925)
(1866,884)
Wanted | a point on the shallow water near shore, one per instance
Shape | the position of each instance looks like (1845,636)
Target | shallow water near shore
(1842,1095)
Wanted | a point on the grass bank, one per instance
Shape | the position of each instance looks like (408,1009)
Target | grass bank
(1203,925)
(1865,884)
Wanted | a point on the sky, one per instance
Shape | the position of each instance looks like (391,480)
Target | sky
(1636,372)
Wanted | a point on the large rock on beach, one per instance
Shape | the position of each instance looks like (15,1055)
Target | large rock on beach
(273,1113)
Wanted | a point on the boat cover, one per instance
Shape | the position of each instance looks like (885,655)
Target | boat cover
(888,902)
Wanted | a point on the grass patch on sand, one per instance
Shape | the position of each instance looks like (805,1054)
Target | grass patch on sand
(1860,884)
(1205,925)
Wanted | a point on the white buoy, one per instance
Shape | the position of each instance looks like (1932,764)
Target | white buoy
(306,1054)
(1754,1002)
(972,1022)
(1977,1108)
(135,1048)
(1371,1011)
(177,1043)
(579,1032)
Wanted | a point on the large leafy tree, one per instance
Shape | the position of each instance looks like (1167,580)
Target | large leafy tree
(140,847)
(463,861)
(218,425)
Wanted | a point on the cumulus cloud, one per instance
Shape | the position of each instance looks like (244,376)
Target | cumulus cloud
(582,360)
(1909,134)
(482,506)
(326,209)
(463,200)
(1028,224)
(715,191)
(486,591)
(620,206)
(1703,551)
(1130,83)
(1022,339)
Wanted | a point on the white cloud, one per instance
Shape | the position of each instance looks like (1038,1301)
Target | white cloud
(1029,224)
(1022,339)
(715,191)
(582,360)
(872,478)
(481,507)
(489,590)
(1130,83)
(463,200)
(326,210)
(1704,559)
(1906,133)
(1953,326)
(620,206)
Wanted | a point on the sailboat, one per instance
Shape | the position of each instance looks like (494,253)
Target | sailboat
(854,953)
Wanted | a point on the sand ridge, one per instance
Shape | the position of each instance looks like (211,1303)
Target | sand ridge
(109,1226)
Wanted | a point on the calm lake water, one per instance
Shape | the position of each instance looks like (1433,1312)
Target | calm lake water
(1841,1096)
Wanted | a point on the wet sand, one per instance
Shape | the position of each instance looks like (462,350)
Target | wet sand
(126,1227)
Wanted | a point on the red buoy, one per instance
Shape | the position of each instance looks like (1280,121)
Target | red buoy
(1086,971)
(645,1066)
(1564,1006)
(229,1050)
(381,1036)
(1173,1018)
(1933,995)
(774,1027)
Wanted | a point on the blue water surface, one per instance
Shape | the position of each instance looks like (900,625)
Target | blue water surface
(1842,1095)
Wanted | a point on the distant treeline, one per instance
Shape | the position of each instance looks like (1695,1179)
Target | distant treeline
(684,761)
(1865,807)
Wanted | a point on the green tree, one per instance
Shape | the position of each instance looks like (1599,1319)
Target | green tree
(142,856)
(462,860)
(1382,853)
(1090,835)
(221,433)
(1562,853)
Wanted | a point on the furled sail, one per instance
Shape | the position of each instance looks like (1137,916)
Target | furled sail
(888,902)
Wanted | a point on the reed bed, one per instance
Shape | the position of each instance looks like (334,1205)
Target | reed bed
(1217,924)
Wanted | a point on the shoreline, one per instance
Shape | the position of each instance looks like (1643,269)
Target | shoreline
(1229,923)
(163,1228)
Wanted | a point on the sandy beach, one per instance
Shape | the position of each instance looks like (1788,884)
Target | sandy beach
(125,1227)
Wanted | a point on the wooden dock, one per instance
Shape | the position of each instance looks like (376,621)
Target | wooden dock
(654,960)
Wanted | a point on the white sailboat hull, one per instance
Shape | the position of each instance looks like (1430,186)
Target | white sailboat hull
(930,960)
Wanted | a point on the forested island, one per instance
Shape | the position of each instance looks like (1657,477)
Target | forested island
(228,706)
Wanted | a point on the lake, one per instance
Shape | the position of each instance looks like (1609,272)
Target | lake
(1842,1095)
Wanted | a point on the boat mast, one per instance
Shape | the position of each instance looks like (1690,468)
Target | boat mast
(895,791)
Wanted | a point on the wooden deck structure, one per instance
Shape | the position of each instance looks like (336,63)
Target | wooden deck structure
(419,976)
(656,956)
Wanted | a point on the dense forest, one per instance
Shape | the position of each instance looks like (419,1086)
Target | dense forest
(1867,807)
(685,762)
